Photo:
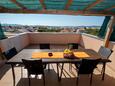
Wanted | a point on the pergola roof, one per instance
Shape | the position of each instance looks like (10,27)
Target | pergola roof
(70,7)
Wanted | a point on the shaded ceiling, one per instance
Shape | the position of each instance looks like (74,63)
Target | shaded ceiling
(69,7)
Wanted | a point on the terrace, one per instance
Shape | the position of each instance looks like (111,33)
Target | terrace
(58,40)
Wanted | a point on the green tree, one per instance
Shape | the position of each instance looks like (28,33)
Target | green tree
(92,31)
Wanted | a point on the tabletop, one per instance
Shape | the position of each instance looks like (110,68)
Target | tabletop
(27,54)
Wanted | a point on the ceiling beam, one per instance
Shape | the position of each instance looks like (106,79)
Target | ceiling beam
(18,4)
(59,12)
(68,4)
(42,4)
(1,8)
(108,9)
(93,4)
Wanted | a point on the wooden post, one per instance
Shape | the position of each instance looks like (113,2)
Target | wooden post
(0,54)
(109,31)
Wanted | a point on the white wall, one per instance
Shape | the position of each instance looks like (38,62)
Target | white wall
(54,38)
(22,40)
(19,42)
(91,42)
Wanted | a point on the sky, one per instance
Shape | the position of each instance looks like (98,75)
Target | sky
(51,20)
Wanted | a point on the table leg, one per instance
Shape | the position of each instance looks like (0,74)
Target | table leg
(13,74)
(61,71)
(58,70)
(103,73)
(48,66)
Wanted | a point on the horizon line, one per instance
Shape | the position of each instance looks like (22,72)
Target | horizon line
(46,25)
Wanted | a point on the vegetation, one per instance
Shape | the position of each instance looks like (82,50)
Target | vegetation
(45,29)
(92,31)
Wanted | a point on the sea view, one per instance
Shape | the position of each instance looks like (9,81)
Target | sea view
(19,23)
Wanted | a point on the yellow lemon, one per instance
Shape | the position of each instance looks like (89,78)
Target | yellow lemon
(68,51)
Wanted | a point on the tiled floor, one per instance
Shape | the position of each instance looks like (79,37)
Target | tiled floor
(68,78)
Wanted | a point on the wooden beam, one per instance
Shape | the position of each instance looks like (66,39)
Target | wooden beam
(108,9)
(2,8)
(2,57)
(68,4)
(18,4)
(42,4)
(109,31)
(0,50)
(64,12)
(93,4)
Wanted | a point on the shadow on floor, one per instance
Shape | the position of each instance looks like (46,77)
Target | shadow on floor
(3,70)
(51,80)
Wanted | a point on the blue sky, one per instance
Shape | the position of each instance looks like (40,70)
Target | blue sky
(51,20)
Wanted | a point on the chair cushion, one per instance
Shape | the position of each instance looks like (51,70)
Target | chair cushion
(44,46)
(10,53)
(33,66)
(87,66)
(105,52)
(73,45)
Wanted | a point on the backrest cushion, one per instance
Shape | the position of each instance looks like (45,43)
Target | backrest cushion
(105,52)
(44,46)
(88,65)
(10,53)
(33,66)
(73,45)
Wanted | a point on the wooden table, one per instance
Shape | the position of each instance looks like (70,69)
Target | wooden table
(35,54)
